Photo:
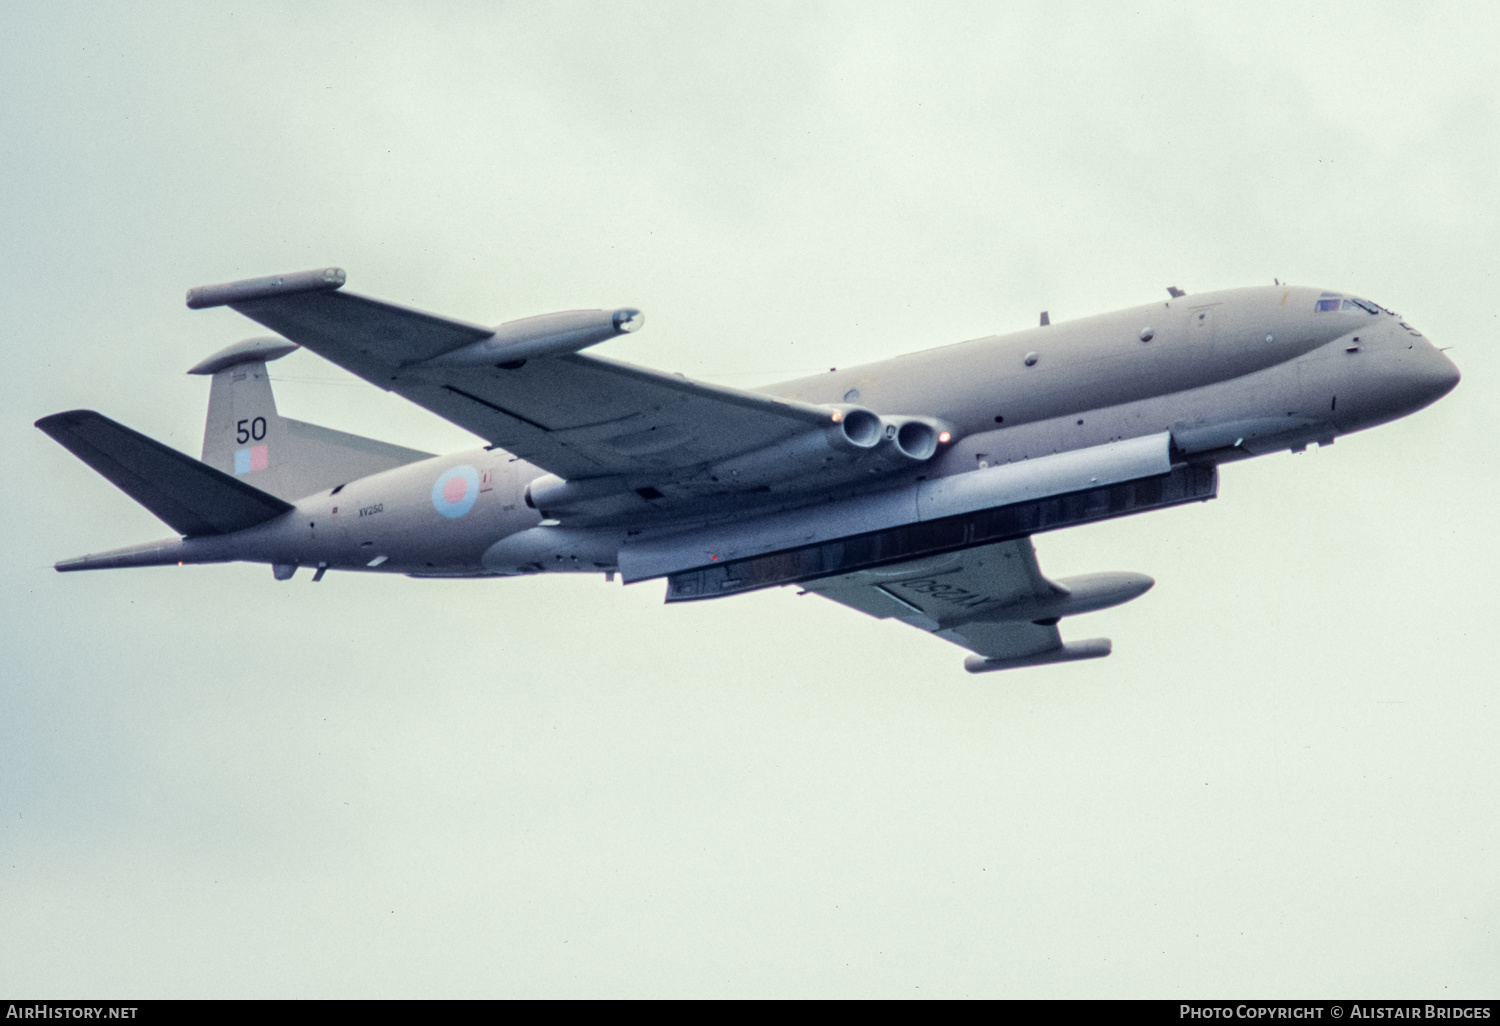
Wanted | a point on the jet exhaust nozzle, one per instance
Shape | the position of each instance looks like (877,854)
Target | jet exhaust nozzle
(911,438)
(858,428)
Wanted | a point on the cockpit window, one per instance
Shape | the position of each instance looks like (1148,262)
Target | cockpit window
(1328,304)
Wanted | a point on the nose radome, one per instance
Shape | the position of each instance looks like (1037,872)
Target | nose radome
(1445,376)
(1433,378)
(1453,375)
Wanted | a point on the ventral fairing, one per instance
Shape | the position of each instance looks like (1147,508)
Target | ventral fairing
(907,489)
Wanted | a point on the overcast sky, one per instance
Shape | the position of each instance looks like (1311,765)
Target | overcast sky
(1283,782)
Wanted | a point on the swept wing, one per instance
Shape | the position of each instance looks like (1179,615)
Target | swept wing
(992,600)
(578,416)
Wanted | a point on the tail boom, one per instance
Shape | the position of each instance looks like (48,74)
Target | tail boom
(274,542)
(162,553)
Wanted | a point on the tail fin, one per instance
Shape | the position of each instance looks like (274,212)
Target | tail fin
(192,498)
(247,438)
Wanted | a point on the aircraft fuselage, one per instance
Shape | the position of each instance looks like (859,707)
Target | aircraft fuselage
(1230,374)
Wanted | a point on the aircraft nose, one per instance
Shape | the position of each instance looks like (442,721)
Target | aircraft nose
(1394,382)
(1432,379)
(1453,376)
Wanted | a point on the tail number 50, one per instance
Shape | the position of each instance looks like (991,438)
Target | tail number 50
(245,430)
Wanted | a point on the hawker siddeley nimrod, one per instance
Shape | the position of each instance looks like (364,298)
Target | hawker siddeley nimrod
(908,489)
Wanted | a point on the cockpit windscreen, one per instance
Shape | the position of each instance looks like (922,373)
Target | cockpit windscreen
(1330,303)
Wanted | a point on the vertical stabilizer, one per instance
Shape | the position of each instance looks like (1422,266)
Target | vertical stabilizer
(245,437)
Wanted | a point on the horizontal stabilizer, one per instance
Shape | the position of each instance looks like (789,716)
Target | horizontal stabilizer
(192,497)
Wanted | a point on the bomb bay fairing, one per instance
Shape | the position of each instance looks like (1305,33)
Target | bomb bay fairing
(908,489)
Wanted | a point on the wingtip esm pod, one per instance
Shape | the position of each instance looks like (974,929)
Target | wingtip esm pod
(324,279)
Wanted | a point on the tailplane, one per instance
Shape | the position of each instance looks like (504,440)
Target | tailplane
(246,438)
(192,498)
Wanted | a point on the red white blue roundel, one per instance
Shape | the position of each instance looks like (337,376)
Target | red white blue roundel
(454,492)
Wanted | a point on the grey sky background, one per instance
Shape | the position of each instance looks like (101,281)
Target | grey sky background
(1283,782)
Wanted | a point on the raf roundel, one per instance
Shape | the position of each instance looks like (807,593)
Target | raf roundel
(454,492)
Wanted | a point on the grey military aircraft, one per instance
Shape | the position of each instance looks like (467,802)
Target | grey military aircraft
(908,489)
